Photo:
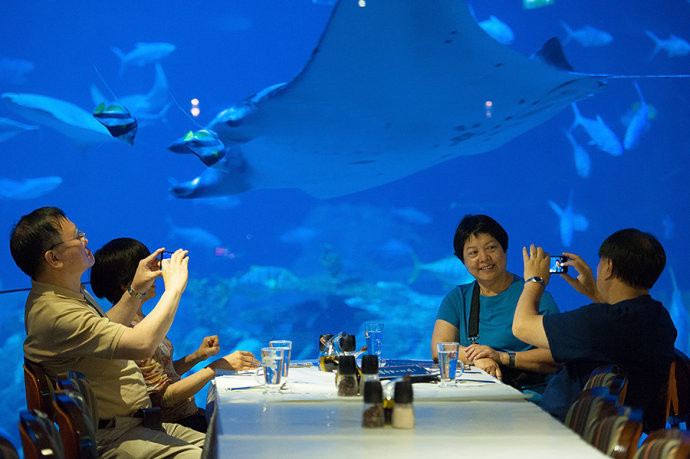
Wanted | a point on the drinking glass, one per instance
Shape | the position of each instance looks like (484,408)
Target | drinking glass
(286,345)
(272,359)
(447,362)
(373,334)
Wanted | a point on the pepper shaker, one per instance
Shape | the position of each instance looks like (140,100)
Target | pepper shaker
(372,415)
(347,376)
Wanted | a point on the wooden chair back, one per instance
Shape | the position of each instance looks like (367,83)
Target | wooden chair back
(73,417)
(77,382)
(40,438)
(678,400)
(39,389)
(665,444)
(7,449)
(611,377)
(617,435)
(586,410)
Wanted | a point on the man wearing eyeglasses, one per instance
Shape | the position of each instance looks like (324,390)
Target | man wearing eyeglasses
(67,331)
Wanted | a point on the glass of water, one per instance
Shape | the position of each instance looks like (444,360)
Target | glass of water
(286,345)
(373,334)
(448,362)
(272,360)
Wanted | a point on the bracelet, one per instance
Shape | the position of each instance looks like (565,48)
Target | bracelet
(511,359)
(135,294)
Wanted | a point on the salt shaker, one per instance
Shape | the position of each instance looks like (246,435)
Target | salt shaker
(347,376)
(403,413)
(372,416)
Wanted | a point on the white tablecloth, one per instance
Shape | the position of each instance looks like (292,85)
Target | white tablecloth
(307,419)
(311,384)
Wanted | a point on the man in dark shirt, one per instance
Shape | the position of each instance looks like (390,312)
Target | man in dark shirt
(624,325)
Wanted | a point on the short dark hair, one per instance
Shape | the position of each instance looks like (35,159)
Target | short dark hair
(474,224)
(115,266)
(33,234)
(638,258)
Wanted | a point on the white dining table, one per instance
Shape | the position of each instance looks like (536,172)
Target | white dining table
(477,417)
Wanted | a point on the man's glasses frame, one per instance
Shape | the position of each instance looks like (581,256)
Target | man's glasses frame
(80,236)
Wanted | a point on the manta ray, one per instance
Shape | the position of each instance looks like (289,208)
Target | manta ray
(393,87)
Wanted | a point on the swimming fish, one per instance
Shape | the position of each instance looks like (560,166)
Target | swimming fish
(142,54)
(14,70)
(366,73)
(673,45)
(119,122)
(679,314)
(10,128)
(300,235)
(599,133)
(68,119)
(583,164)
(449,270)
(268,277)
(569,221)
(204,143)
(587,36)
(638,123)
(669,227)
(498,30)
(28,188)
(412,215)
(194,236)
(145,108)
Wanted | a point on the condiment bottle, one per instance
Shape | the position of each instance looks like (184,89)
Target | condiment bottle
(323,341)
(370,370)
(403,413)
(347,344)
(347,376)
(372,416)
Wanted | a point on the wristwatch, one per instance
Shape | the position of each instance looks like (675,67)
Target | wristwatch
(135,294)
(537,279)
(511,359)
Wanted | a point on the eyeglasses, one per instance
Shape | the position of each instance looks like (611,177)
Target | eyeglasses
(80,236)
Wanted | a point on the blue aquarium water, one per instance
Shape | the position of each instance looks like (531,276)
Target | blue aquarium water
(280,264)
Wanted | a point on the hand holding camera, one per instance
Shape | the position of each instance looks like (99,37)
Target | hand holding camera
(174,270)
(557,264)
(584,282)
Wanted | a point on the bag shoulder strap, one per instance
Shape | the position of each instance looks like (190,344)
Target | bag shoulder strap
(473,325)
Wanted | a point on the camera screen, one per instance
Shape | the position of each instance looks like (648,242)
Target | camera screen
(556,267)
(165,255)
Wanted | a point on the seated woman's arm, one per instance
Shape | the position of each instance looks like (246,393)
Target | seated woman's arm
(445,331)
(209,347)
(148,270)
(188,386)
(538,360)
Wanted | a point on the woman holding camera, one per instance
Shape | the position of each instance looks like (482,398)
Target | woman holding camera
(114,268)
(485,336)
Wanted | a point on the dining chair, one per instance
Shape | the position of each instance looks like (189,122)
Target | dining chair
(611,377)
(678,400)
(7,449)
(73,417)
(39,389)
(587,409)
(665,444)
(40,438)
(617,435)
(75,381)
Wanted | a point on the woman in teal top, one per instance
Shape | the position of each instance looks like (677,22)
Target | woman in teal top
(481,244)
